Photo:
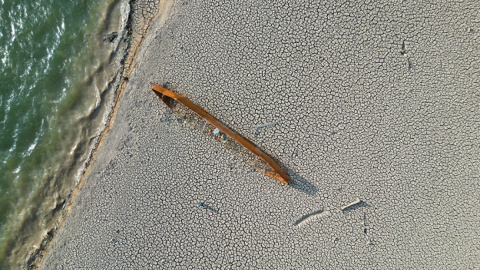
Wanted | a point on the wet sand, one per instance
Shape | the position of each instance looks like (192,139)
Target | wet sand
(377,112)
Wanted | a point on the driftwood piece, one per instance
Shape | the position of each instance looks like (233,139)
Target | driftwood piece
(168,96)
(350,205)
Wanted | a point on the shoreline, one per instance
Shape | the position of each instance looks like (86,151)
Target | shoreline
(366,129)
(78,117)
(34,261)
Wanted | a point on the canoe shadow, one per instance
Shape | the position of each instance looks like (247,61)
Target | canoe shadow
(301,184)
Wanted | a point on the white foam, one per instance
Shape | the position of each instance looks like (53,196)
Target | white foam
(26,73)
(8,107)
(15,139)
(30,149)
(33,145)
(5,56)
(62,96)
(12,26)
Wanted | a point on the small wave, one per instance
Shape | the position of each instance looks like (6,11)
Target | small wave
(31,147)
(28,68)
(5,58)
(15,138)
(35,142)
(61,97)
(7,107)
(12,26)
(51,51)
(16,24)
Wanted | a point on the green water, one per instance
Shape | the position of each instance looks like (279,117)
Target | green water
(51,101)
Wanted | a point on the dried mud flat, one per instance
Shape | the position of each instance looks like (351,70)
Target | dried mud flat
(377,122)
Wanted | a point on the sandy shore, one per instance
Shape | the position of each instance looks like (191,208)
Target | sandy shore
(378,102)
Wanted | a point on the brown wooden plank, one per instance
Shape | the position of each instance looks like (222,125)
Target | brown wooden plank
(278,173)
